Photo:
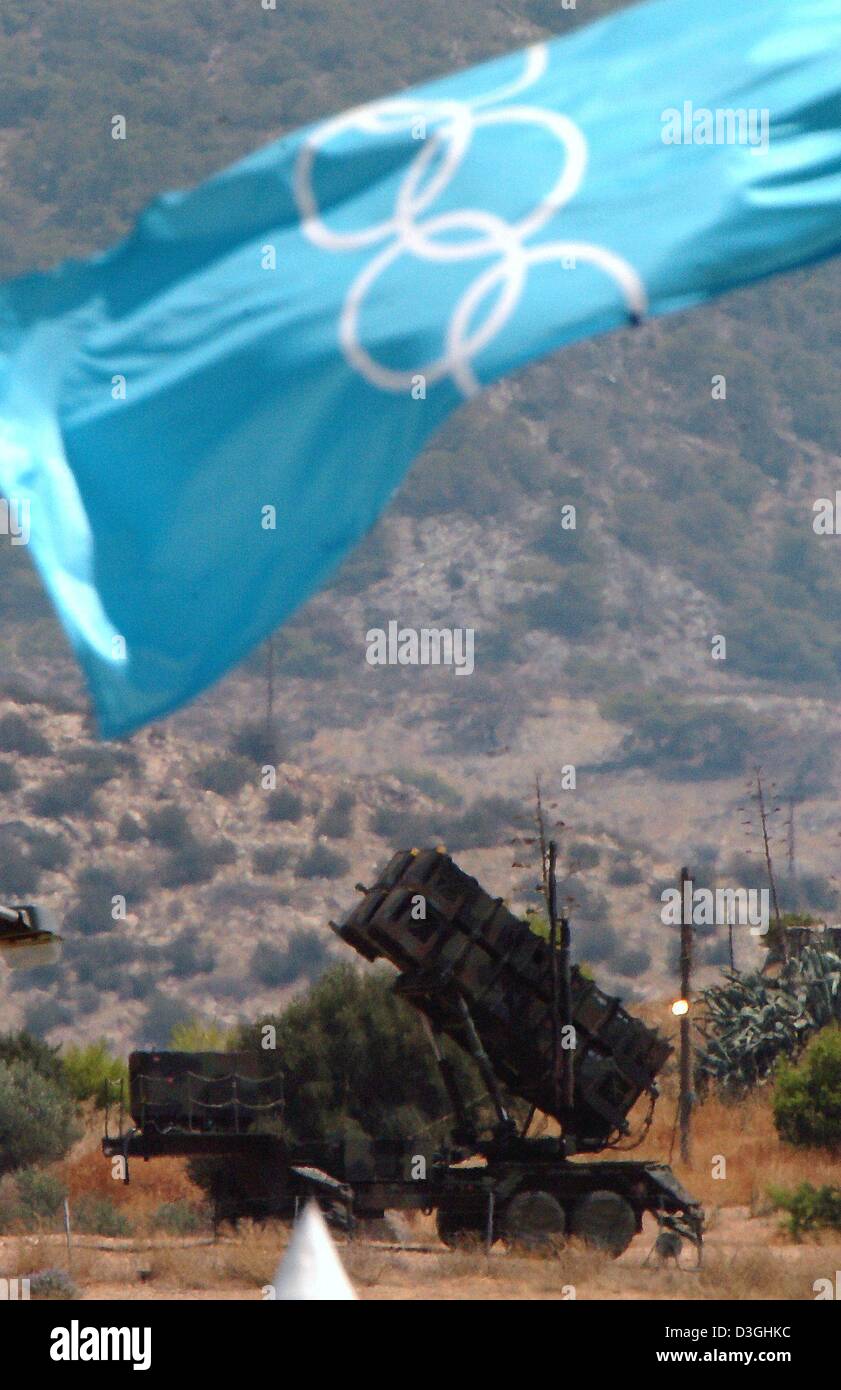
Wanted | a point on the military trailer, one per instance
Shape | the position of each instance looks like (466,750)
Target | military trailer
(482,978)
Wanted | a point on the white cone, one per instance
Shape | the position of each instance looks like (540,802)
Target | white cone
(310,1267)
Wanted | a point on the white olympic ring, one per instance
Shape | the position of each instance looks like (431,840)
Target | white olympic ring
(453,124)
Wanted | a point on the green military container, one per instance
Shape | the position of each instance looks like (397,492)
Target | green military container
(203,1092)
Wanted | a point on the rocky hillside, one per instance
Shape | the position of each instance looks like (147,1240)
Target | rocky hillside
(683,631)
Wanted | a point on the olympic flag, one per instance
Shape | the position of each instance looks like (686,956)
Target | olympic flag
(202,422)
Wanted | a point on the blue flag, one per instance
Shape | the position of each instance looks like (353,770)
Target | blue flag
(203,421)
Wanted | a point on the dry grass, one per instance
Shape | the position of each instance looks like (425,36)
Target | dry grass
(744,1259)
(743,1134)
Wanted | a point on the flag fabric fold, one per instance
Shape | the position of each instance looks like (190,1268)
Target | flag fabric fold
(204,420)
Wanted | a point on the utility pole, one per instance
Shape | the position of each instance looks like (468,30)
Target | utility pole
(544,850)
(568,1053)
(763,816)
(552,910)
(563,1074)
(792,863)
(685,1101)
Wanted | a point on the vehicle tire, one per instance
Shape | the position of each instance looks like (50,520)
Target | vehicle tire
(453,1227)
(534,1220)
(605,1220)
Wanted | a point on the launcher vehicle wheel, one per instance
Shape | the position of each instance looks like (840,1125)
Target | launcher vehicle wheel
(604,1220)
(534,1221)
(456,1227)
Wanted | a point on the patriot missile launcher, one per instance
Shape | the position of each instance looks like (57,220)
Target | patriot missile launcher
(481,976)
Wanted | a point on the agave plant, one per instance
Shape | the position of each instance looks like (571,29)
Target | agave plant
(750,1020)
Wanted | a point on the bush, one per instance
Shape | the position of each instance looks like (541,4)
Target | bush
(9,780)
(596,942)
(25,852)
(93,1073)
(19,876)
(683,739)
(18,735)
(284,805)
(271,859)
(35,977)
(86,1000)
(584,855)
(23,1047)
(305,955)
(322,862)
(87,958)
(69,795)
(337,821)
(632,963)
(129,830)
(96,887)
(572,610)
(169,827)
(809,1208)
(50,852)
(52,1283)
(161,1016)
(410,828)
(433,786)
(99,763)
(196,862)
(37,1117)
(484,824)
(41,1195)
(189,956)
(225,776)
(179,1218)
(624,873)
(42,1015)
(807,1094)
(259,744)
(99,1216)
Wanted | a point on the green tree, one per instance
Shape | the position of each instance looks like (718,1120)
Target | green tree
(93,1072)
(202,1035)
(807,1094)
(357,1060)
(38,1120)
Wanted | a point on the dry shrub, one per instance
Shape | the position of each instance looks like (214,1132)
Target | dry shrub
(87,1173)
(250,1259)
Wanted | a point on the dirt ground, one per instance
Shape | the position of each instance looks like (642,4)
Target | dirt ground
(744,1257)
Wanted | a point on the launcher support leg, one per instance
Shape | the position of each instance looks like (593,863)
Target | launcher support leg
(482,1061)
(466,1130)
